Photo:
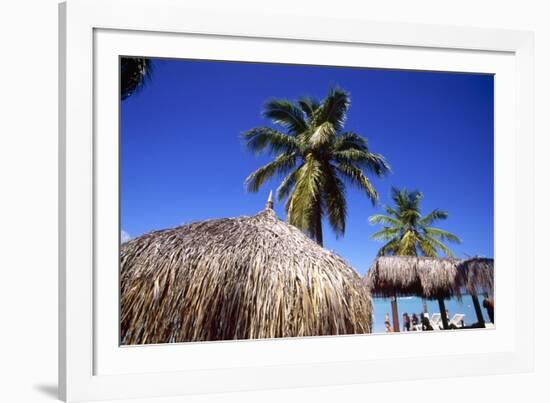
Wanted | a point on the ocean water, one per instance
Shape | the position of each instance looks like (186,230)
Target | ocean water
(414,305)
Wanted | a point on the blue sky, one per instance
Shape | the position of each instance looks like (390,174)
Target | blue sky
(182,159)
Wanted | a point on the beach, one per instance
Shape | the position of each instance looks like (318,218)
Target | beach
(414,305)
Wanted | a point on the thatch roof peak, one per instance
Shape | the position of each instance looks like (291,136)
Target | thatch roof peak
(237,278)
(269,204)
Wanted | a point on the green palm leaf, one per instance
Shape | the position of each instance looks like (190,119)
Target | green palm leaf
(374,163)
(440,245)
(384,220)
(356,177)
(308,106)
(134,73)
(286,186)
(333,109)
(261,138)
(281,165)
(303,201)
(433,216)
(336,205)
(324,134)
(441,234)
(427,248)
(350,140)
(385,234)
(390,248)
(286,114)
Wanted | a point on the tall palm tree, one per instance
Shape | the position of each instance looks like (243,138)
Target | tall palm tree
(134,71)
(314,156)
(408,233)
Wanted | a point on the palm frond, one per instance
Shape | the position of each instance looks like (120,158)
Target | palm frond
(385,234)
(439,245)
(384,220)
(415,199)
(287,185)
(280,165)
(441,234)
(427,248)
(333,109)
(406,200)
(350,140)
(134,73)
(301,203)
(286,114)
(308,106)
(433,216)
(336,206)
(262,138)
(324,134)
(391,211)
(357,178)
(410,214)
(390,248)
(407,244)
(374,163)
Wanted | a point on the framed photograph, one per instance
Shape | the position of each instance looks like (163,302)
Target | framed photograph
(245,207)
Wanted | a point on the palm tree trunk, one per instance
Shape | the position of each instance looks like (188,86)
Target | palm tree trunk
(424,305)
(443,311)
(318,225)
(395,313)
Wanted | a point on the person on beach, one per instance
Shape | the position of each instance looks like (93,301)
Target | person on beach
(489,305)
(387,323)
(425,322)
(406,322)
(414,321)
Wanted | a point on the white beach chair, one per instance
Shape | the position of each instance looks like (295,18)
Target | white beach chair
(435,321)
(457,320)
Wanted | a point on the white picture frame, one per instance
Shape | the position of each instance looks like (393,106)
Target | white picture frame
(91,364)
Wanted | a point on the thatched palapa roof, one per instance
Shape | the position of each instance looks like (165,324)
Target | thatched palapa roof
(429,277)
(476,275)
(425,277)
(237,278)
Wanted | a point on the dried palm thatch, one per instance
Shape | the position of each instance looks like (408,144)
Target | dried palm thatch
(438,277)
(476,275)
(393,275)
(426,277)
(237,278)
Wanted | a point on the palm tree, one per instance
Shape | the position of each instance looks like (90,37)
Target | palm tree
(314,156)
(134,71)
(408,233)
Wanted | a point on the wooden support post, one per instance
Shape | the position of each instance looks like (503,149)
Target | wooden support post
(443,311)
(477,308)
(424,306)
(395,313)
